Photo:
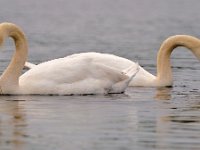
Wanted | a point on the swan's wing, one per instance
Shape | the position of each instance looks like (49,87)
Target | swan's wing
(131,73)
(73,76)
(29,65)
(133,69)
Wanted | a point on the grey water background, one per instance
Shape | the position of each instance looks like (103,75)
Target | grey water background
(142,118)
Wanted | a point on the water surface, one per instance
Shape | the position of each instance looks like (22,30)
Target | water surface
(142,118)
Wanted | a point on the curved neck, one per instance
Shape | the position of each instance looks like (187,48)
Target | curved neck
(10,76)
(164,73)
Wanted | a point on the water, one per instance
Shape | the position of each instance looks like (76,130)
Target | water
(142,118)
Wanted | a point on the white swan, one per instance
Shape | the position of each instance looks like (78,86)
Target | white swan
(144,78)
(64,76)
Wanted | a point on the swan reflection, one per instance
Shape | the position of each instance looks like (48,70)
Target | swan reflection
(163,93)
(12,123)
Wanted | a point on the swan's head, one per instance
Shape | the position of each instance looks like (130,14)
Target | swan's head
(2,33)
(193,44)
(197,52)
(1,39)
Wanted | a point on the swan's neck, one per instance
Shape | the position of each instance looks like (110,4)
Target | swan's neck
(164,72)
(10,77)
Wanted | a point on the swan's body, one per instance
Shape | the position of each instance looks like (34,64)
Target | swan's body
(144,78)
(75,75)
(64,76)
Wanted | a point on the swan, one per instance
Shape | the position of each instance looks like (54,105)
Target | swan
(143,77)
(63,76)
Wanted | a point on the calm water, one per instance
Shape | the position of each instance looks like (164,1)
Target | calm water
(140,119)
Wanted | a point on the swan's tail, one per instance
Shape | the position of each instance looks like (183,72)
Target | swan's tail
(130,72)
(29,65)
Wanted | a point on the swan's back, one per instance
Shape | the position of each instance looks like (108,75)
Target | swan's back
(142,78)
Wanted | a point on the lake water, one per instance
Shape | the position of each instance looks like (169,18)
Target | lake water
(140,119)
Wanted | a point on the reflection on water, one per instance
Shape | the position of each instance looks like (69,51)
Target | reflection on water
(140,119)
(12,125)
(183,119)
(163,93)
(116,121)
